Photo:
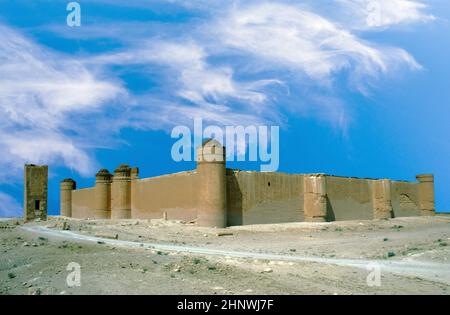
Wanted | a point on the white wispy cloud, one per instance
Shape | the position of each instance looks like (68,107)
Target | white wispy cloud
(235,62)
(201,88)
(278,45)
(298,40)
(41,95)
(375,14)
(282,37)
(361,14)
(241,62)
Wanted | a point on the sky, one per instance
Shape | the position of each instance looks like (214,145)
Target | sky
(357,87)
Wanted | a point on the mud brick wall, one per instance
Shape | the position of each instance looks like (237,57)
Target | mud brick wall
(173,196)
(259,198)
(83,203)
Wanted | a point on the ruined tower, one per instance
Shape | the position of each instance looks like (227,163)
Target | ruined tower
(315,203)
(103,180)
(66,187)
(121,193)
(212,188)
(35,192)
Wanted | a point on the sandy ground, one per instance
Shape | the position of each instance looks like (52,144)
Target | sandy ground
(412,256)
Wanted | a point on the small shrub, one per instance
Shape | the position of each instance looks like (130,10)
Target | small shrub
(390,254)
(196,261)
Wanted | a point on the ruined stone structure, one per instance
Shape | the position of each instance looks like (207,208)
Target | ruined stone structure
(215,196)
(35,192)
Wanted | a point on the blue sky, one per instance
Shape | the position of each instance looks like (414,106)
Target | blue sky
(358,87)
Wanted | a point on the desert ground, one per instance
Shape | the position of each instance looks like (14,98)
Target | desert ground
(410,255)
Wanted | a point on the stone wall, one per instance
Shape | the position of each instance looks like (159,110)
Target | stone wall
(258,198)
(172,196)
(83,203)
(405,199)
(349,199)
(214,196)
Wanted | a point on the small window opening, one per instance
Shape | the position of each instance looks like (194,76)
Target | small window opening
(37,205)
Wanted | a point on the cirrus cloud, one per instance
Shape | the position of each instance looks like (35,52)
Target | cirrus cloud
(41,94)
(231,62)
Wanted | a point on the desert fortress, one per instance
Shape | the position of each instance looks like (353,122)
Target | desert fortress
(215,196)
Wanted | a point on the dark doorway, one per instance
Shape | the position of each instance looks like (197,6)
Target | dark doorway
(37,205)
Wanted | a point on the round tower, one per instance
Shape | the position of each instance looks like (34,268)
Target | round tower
(103,180)
(426,194)
(212,191)
(121,193)
(66,188)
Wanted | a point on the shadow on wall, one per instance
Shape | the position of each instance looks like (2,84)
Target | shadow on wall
(234,201)
(330,212)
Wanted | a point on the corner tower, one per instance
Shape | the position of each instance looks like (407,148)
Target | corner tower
(212,188)
(426,194)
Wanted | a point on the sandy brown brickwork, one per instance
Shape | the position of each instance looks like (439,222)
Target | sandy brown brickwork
(83,203)
(66,187)
(172,196)
(214,196)
(252,197)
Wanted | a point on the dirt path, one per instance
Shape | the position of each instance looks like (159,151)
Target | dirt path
(426,270)
(170,257)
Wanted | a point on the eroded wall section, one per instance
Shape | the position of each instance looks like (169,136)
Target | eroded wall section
(405,200)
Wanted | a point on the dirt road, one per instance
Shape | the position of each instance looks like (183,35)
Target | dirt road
(426,270)
(157,257)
